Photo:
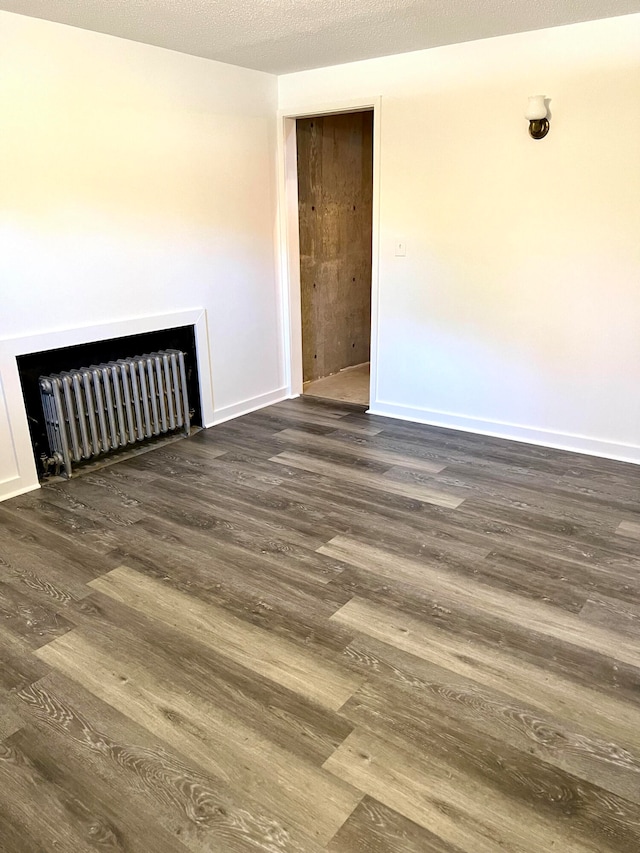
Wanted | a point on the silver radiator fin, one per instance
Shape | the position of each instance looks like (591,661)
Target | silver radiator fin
(95,410)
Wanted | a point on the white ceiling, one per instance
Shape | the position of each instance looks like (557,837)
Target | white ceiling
(290,35)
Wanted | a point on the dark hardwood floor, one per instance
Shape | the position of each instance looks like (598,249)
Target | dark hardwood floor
(309,629)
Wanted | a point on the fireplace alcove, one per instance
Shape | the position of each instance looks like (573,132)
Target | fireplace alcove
(33,365)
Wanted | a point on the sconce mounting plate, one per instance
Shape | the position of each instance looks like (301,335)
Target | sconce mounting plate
(538,128)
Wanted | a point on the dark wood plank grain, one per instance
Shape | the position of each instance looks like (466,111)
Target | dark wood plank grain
(197,809)
(313,629)
(375,828)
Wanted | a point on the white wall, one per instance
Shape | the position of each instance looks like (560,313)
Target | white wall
(135,181)
(517,308)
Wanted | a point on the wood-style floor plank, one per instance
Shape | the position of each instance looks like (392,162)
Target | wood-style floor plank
(164,787)
(451,591)
(499,670)
(333,445)
(613,614)
(426,494)
(629,528)
(375,828)
(280,660)
(442,713)
(119,824)
(314,629)
(280,414)
(179,714)
(51,823)
(10,719)
(281,715)
(461,811)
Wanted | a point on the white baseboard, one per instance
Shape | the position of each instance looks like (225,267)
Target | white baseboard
(16,492)
(510,432)
(236,410)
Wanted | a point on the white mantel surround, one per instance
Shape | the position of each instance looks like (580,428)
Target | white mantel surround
(18,472)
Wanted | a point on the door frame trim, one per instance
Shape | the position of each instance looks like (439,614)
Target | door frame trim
(288,240)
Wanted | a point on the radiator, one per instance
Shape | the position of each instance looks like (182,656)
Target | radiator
(98,409)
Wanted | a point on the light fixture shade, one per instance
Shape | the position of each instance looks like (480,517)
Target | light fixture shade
(536,108)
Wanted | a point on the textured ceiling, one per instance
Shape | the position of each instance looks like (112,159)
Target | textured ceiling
(290,35)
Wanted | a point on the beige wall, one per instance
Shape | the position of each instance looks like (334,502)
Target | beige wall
(135,181)
(517,307)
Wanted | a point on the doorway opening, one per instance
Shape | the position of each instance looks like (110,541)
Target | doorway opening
(335,216)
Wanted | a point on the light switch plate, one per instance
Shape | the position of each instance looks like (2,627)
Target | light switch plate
(401,249)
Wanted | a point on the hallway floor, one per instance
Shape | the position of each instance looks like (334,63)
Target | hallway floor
(351,385)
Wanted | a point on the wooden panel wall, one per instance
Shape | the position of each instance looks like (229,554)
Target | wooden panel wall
(335,184)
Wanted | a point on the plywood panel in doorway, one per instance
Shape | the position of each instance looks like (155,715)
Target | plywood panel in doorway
(335,183)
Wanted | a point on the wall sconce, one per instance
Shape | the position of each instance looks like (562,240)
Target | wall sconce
(536,114)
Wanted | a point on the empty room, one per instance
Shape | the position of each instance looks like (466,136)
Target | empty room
(319,432)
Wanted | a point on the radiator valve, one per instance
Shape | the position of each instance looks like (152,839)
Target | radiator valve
(51,464)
